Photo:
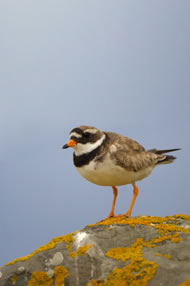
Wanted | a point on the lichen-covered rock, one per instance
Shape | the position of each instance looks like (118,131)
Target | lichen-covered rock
(115,252)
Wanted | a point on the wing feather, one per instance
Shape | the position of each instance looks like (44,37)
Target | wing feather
(130,154)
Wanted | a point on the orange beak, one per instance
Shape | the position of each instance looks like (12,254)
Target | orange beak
(71,143)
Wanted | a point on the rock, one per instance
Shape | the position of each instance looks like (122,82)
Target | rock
(120,251)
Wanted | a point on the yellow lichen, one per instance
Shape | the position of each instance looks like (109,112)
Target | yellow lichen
(40,279)
(176,239)
(163,228)
(137,273)
(163,225)
(173,237)
(14,279)
(186,283)
(186,217)
(168,223)
(68,239)
(69,247)
(60,273)
(125,253)
(73,254)
(132,221)
(81,250)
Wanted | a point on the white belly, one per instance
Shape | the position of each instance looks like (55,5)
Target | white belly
(108,174)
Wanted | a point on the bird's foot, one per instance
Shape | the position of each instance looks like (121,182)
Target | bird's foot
(108,217)
(122,215)
(116,216)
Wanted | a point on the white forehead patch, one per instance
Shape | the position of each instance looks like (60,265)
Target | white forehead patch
(90,130)
(80,149)
(74,134)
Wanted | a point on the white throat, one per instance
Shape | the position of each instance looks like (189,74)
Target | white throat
(81,149)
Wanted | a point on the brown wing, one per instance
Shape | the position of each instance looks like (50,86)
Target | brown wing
(130,154)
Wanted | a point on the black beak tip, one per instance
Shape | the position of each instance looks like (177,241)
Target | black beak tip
(65,146)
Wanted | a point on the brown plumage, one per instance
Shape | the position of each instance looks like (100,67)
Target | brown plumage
(130,154)
(111,159)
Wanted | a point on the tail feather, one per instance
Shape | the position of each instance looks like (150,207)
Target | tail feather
(167,159)
(160,152)
(164,159)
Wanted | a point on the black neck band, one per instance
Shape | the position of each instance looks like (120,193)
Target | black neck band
(85,159)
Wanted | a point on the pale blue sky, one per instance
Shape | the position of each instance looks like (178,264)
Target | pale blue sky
(121,66)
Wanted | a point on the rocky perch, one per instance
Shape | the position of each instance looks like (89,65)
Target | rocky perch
(116,252)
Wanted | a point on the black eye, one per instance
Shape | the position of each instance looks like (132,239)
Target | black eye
(87,135)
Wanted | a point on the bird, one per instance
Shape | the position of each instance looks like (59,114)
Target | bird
(110,159)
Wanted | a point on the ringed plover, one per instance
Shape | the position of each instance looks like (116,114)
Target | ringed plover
(110,159)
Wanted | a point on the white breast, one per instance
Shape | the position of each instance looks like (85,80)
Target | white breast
(106,173)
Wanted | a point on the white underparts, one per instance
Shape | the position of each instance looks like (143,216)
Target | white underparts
(81,149)
(107,173)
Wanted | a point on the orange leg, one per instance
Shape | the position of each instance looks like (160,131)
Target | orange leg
(115,192)
(135,194)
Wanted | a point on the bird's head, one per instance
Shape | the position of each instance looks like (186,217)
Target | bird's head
(84,139)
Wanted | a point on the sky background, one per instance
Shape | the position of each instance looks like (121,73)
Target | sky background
(122,66)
